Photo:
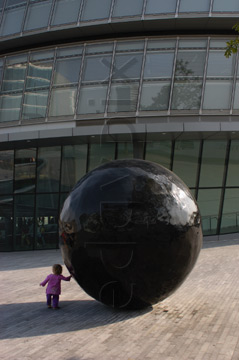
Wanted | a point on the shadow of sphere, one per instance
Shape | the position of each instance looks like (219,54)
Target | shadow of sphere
(130,233)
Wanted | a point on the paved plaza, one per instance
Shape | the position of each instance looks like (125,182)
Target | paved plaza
(199,321)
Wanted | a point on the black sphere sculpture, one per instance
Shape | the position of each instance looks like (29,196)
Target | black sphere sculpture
(130,233)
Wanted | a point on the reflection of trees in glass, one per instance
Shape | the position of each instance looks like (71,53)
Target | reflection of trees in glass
(186,92)
(160,101)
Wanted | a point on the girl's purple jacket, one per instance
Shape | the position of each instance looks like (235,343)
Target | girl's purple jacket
(54,283)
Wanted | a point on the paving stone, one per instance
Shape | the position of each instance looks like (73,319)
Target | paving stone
(199,321)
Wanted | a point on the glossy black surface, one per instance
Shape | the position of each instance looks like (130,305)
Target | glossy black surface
(130,233)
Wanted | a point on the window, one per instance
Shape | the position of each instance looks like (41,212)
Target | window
(39,75)
(213,161)
(160,7)
(73,165)
(95,78)
(95,9)
(63,102)
(185,162)
(97,68)
(233,168)
(67,71)
(92,99)
(189,72)
(159,152)
(14,77)
(12,17)
(25,171)
(222,6)
(218,86)
(48,169)
(194,6)
(38,15)
(6,223)
(230,215)
(127,8)
(6,171)
(209,202)
(157,79)
(24,222)
(35,104)
(10,106)
(125,78)
(66,11)
(46,224)
(100,154)
(125,150)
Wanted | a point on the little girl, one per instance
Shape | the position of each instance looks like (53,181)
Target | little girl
(54,285)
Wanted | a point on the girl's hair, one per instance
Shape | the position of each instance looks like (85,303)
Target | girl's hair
(57,269)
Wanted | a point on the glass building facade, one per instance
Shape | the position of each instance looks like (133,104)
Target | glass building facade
(85,82)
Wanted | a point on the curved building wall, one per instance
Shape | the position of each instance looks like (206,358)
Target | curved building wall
(85,82)
(22,17)
(140,77)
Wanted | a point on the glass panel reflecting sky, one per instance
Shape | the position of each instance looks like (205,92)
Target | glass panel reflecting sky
(69,51)
(161,44)
(11,3)
(229,5)
(236,97)
(97,68)
(95,9)
(127,8)
(127,66)
(158,65)
(38,15)
(219,65)
(67,71)
(217,95)
(66,11)
(160,6)
(12,21)
(194,6)
(99,48)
